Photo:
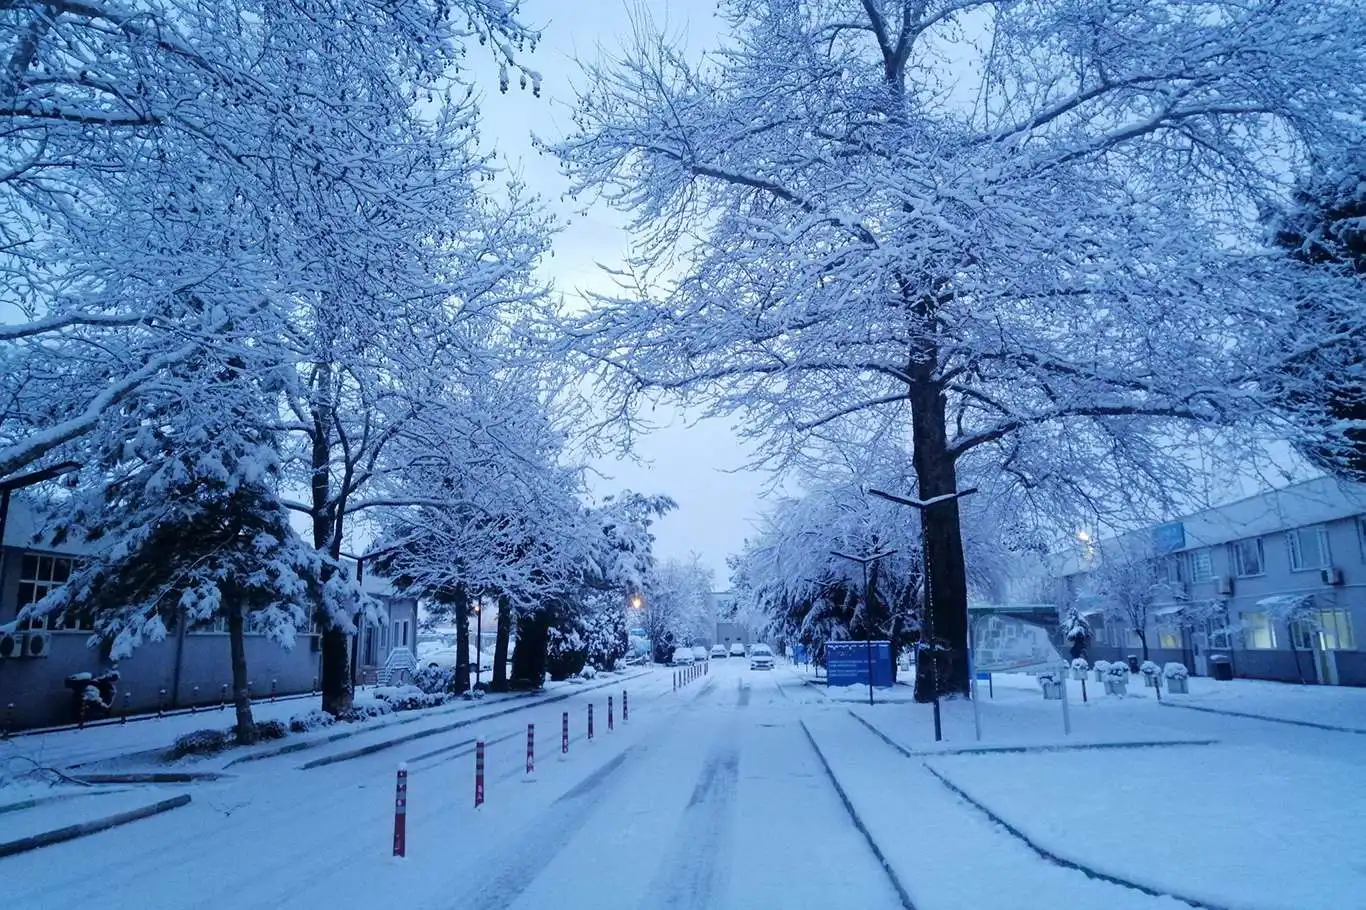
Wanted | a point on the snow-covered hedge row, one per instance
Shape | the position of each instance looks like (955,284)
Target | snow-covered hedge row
(408,698)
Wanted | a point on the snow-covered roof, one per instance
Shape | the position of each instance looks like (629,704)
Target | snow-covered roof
(1311,502)
(26,529)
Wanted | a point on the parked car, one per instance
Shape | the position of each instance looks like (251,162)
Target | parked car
(718,650)
(699,653)
(760,657)
(683,656)
(737,650)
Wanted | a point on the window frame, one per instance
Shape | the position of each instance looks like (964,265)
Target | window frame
(37,582)
(1296,548)
(1236,552)
(1219,633)
(1249,642)
(1207,562)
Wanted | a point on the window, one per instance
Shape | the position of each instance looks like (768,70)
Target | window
(1171,569)
(1220,635)
(1247,557)
(400,633)
(1258,632)
(1308,548)
(1169,638)
(1326,630)
(38,576)
(1201,566)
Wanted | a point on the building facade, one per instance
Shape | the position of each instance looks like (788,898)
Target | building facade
(1275,582)
(191,667)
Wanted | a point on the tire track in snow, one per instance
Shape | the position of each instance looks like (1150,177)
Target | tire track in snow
(689,873)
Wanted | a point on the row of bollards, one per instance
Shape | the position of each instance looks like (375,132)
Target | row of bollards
(401,786)
(693,672)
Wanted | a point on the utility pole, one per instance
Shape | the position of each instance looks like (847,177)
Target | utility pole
(865,562)
(927,630)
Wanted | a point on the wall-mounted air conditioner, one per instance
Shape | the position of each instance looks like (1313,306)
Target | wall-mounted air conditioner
(1331,575)
(1223,585)
(11,645)
(37,644)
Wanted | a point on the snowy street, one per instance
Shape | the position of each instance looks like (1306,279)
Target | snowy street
(716,796)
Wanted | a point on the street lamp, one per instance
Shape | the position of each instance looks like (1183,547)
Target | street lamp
(865,561)
(928,630)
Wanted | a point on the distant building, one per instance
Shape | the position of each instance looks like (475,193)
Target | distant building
(1223,572)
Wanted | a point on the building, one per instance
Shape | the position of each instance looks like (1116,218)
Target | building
(384,637)
(1276,582)
(190,667)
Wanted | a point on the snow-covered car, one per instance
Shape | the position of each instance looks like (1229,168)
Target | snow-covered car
(683,657)
(718,650)
(699,653)
(760,657)
(737,650)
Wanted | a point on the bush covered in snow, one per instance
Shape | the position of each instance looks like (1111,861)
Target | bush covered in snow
(201,742)
(271,729)
(365,709)
(435,680)
(311,720)
(1048,677)
(588,672)
(1150,669)
(1116,670)
(408,698)
(1174,670)
(1080,664)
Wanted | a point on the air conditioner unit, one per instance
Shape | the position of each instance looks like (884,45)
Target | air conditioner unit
(11,645)
(1223,585)
(38,644)
(1331,575)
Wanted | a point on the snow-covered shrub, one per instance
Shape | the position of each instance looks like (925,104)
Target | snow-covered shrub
(364,710)
(1080,665)
(435,680)
(201,742)
(1174,670)
(1101,666)
(1048,677)
(588,671)
(1150,669)
(1117,671)
(271,729)
(408,698)
(311,720)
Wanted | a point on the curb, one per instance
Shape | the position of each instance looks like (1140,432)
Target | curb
(1057,860)
(59,798)
(1274,720)
(71,832)
(446,728)
(153,777)
(906,901)
(1019,835)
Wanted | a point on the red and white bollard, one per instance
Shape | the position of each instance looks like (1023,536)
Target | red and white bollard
(609,712)
(590,723)
(675,680)
(401,812)
(478,774)
(530,749)
(625,706)
(564,734)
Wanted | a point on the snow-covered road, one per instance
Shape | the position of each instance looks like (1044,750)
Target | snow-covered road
(719,795)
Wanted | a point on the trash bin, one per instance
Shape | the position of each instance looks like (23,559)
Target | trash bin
(1133,663)
(1221,667)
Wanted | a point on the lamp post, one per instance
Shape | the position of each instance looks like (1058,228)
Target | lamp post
(928,630)
(865,562)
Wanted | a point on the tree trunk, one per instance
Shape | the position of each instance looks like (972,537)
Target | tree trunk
(529,660)
(500,646)
(1143,641)
(241,699)
(946,608)
(461,615)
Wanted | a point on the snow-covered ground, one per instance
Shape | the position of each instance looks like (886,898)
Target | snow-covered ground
(715,796)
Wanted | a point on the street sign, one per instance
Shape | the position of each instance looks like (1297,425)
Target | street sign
(846,663)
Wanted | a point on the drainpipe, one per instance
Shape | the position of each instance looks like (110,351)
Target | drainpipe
(181,623)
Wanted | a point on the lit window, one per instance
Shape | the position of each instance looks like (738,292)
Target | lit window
(1258,632)
(1169,638)
(1247,557)
(1202,569)
(1328,630)
(1308,548)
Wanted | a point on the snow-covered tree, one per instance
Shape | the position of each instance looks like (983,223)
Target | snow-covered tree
(1030,226)
(1076,631)
(677,606)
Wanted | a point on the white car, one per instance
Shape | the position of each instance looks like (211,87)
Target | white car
(683,656)
(718,651)
(699,653)
(760,657)
(737,650)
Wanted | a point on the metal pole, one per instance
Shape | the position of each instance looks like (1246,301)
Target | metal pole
(478,641)
(868,631)
(1066,718)
(972,685)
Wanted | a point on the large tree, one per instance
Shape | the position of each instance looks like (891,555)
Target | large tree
(1029,228)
